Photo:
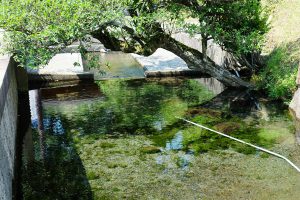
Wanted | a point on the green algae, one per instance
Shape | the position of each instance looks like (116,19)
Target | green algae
(100,153)
(150,149)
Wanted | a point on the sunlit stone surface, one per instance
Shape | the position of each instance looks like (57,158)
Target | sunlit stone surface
(63,63)
(162,60)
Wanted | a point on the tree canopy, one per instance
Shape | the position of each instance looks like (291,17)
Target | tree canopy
(36,30)
(39,29)
(237,25)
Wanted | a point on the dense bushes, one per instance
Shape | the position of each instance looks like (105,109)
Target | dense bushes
(278,77)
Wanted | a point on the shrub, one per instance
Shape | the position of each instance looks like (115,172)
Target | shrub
(278,77)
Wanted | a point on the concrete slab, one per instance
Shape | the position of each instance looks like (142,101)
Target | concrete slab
(4,62)
(161,60)
(64,63)
(62,67)
(164,63)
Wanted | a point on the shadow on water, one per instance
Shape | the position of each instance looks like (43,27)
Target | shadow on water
(56,171)
(235,112)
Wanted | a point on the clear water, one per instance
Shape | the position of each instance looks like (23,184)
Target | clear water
(113,65)
(119,139)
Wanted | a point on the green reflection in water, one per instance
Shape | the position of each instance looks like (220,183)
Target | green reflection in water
(132,107)
(129,145)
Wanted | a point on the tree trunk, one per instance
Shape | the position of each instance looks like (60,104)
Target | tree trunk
(195,60)
(204,46)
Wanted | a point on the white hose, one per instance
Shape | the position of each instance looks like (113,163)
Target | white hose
(243,142)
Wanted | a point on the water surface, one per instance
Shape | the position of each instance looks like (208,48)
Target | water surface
(121,140)
(113,65)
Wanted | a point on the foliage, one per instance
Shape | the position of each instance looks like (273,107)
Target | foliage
(282,50)
(278,78)
(39,29)
(238,25)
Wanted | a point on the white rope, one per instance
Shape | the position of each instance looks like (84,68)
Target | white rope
(243,142)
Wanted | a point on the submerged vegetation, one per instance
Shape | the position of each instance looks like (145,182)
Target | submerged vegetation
(127,144)
(127,141)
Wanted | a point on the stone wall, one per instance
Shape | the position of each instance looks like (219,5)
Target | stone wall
(295,107)
(8,126)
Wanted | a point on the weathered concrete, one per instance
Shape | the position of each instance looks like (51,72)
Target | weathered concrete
(214,51)
(294,107)
(212,84)
(62,63)
(164,63)
(295,111)
(62,67)
(8,126)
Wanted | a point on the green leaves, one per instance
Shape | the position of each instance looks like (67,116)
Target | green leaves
(36,30)
(278,77)
(238,26)
(39,29)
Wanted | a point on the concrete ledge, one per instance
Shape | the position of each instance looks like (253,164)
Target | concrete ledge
(62,67)
(59,77)
(5,75)
(192,73)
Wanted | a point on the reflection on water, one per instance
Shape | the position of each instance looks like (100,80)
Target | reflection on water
(176,142)
(212,84)
(121,140)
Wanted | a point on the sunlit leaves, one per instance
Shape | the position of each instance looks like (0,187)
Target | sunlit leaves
(39,29)
(237,25)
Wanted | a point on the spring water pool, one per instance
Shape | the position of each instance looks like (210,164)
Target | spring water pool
(119,139)
(112,65)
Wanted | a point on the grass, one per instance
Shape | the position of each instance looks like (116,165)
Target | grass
(284,23)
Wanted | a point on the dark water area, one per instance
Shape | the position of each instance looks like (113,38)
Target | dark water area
(120,139)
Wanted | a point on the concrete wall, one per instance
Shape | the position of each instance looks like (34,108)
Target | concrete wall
(8,126)
(214,51)
(295,107)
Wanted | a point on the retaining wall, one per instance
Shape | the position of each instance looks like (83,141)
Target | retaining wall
(214,51)
(8,126)
(295,107)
